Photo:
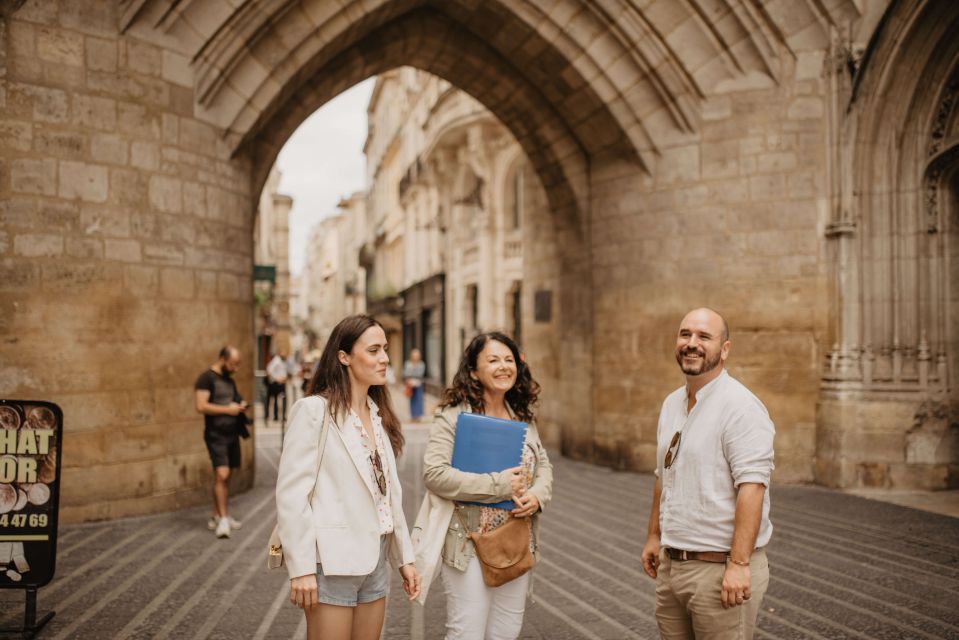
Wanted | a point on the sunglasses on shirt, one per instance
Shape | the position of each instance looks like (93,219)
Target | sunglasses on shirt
(378,471)
(672,451)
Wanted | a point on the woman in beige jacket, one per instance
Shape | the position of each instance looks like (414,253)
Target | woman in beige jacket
(492,379)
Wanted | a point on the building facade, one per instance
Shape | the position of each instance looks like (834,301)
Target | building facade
(460,192)
(333,284)
(271,278)
(791,163)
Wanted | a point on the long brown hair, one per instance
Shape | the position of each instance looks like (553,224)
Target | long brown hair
(465,388)
(331,380)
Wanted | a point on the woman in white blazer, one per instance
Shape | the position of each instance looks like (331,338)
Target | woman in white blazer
(340,510)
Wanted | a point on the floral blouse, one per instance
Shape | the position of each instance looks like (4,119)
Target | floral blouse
(355,429)
(493,517)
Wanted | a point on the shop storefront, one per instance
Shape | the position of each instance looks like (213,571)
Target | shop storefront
(424,328)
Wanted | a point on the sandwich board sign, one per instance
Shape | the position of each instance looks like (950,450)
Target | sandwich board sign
(30,436)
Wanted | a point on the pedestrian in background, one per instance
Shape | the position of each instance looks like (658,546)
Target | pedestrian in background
(414,371)
(340,510)
(710,515)
(277,373)
(218,399)
(492,379)
(307,367)
(292,382)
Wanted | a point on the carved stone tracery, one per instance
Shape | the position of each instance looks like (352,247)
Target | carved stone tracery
(891,284)
(944,113)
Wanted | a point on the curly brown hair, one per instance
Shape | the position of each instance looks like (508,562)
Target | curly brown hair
(465,388)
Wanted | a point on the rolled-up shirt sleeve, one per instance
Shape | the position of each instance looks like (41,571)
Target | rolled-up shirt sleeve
(748,446)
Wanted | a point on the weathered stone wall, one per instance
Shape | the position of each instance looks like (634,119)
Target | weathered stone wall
(125,255)
(686,157)
(541,336)
(727,220)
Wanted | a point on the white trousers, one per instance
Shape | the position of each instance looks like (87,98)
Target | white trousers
(477,612)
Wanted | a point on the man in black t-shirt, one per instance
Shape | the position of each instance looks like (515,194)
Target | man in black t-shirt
(220,403)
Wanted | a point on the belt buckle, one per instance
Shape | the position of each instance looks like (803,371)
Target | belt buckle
(682,554)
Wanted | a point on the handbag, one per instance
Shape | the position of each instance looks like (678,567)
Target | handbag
(274,548)
(408,390)
(503,553)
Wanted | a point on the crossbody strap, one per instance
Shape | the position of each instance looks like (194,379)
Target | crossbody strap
(467,534)
(459,514)
(324,431)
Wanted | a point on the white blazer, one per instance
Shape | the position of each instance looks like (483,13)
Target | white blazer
(328,514)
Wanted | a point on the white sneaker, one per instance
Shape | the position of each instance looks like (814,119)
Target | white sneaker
(223,528)
(211,523)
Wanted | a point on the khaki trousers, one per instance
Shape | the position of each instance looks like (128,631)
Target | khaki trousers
(688,605)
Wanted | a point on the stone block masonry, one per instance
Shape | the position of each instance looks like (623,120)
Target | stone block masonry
(686,158)
(103,309)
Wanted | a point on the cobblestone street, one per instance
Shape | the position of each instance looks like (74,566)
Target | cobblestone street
(842,567)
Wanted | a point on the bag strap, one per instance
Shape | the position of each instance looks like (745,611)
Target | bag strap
(467,534)
(324,431)
(459,514)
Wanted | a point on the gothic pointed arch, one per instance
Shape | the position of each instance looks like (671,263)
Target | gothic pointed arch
(892,235)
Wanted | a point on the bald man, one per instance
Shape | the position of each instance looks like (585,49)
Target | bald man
(710,516)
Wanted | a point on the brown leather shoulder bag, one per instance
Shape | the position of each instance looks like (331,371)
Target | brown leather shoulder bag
(503,553)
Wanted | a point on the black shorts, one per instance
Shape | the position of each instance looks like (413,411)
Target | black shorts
(224,450)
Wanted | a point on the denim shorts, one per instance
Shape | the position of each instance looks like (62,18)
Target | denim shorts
(349,591)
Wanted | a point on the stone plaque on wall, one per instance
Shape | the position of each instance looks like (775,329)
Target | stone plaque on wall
(543,306)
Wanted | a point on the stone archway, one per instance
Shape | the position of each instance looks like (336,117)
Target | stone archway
(136,135)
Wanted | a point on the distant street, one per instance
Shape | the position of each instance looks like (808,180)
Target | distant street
(842,567)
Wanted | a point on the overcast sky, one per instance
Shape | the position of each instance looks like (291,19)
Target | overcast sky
(322,162)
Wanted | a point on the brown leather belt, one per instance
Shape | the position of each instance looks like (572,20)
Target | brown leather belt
(703,556)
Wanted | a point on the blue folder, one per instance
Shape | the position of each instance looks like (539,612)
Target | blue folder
(487,445)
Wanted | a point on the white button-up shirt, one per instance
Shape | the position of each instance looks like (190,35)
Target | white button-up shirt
(727,439)
(357,438)
(277,369)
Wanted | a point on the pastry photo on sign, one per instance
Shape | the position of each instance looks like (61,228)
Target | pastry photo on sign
(27,457)
(12,552)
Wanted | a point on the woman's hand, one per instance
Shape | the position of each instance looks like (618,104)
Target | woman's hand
(526,505)
(411,580)
(517,482)
(303,592)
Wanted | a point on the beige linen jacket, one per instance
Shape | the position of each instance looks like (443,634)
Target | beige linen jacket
(436,532)
(326,512)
